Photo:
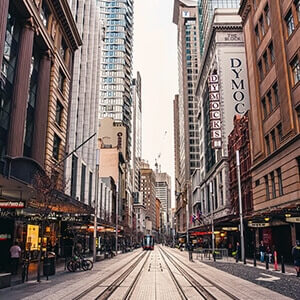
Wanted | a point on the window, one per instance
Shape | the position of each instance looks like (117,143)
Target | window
(297,4)
(274,140)
(63,49)
(257,35)
(261,71)
(267,187)
(61,80)
(273,185)
(262,25)
(90,188)
(266,62)
(58,113)
(289,20)
(263,102)
(56,145)
(271,52)
(269,96)
(45,13)
(295,69)
(276,95)
(280,186)
(279,131)
(267,15)
(82,188)
(268,144)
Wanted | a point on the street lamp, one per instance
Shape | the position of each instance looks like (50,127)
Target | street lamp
(240,204)
(96,205)
(212,218)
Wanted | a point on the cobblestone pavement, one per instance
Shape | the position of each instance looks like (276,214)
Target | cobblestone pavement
(285,284)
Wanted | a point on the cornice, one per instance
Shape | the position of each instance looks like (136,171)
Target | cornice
(244,10)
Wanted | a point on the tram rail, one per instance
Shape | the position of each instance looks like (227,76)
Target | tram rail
(203,291)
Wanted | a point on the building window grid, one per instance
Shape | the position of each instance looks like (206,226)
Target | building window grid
(290,25)
(295,70)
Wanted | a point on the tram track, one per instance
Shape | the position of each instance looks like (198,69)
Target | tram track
(203,291)
(103,280)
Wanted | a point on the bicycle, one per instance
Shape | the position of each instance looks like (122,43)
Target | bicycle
(79,263)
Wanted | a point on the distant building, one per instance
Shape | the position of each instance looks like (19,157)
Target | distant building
(157,214)
(148,192)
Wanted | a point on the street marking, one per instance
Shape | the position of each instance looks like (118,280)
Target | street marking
(269,278)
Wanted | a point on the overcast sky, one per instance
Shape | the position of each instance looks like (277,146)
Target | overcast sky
(155,57)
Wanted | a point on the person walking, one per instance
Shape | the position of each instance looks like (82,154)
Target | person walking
(296,257)
(190,248)
(262,251)
(15,254)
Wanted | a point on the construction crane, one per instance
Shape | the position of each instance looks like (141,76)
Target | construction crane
(157,166)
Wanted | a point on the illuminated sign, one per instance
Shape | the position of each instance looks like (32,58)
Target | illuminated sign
(5,236)
(258,225)
(293,220)
(12,204)
(32,237)
(215,112)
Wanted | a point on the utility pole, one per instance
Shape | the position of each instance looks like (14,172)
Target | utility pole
(212,218)
(240,204)
(96,206)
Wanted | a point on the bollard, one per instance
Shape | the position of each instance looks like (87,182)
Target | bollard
(282,265)
(275,261)
(254,259)
(267,264)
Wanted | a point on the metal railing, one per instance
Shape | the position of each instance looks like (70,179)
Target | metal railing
(207,253)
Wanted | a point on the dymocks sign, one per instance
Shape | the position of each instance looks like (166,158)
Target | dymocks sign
(215,111)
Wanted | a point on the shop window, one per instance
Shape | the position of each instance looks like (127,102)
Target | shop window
(295,70)
(289,20)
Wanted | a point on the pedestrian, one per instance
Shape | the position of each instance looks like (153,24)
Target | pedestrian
(296,257)
(269,255)
(238,252)
(15,254)
(262,251)
(78,249)
(190,248)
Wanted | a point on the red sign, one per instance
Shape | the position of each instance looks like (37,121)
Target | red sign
(12,204)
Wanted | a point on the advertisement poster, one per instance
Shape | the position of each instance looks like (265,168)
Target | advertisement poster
(32,237)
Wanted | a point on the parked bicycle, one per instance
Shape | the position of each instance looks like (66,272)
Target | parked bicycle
(77,263)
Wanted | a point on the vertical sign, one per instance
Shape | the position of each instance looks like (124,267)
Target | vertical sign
(214,111)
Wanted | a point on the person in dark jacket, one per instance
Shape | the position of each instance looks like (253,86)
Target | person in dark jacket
(190,248)
(296,257)
(262,251)
(238,252)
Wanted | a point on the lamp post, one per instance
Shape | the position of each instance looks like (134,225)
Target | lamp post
(96,206)
(240,204)
(212,218)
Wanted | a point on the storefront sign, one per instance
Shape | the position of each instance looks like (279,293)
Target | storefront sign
(258,225)
(12,204)
(293,220)
(215,112)
(230,228)
(5,236)
(32,237)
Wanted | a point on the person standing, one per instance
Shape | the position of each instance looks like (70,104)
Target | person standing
(262,251)
(15,254)
(190,248)
(296,257)
(238,252)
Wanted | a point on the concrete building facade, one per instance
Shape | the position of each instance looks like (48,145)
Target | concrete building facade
(272,34)
(80,168)
(221,94)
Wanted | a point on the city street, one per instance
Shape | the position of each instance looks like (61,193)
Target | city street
(164,273)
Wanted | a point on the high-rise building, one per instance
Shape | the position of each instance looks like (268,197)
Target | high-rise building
(116,67)
(205,15)
(83,122)
(148,192)
(185,17)
(271,32)
(136,91)
(163,193)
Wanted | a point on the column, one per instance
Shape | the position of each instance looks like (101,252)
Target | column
(20,93)
(41,110)
(4,4)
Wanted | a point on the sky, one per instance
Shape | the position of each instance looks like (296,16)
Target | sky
(155,57)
